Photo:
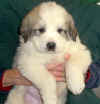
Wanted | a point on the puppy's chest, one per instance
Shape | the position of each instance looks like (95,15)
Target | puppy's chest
(50,58)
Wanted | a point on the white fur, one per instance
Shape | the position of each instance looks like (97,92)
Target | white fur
(32,56)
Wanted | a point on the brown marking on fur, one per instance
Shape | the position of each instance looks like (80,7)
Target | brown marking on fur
(72,29)
(29,22)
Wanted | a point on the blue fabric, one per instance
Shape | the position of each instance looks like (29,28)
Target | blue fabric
(94,80)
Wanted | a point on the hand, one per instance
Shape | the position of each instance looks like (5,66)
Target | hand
(57,69)
(13,77)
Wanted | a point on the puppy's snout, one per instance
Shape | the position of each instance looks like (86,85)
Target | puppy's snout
(51,46)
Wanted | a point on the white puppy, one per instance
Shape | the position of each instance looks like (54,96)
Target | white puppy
(48,33)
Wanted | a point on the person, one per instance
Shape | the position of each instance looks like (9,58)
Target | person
(11,14)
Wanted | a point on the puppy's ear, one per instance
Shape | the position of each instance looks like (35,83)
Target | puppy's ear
(25,30)
(25,34)
(72,30)
(28,23)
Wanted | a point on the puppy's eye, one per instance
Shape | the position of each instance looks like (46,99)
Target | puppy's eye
(38,31)
(61,31)
(41,30)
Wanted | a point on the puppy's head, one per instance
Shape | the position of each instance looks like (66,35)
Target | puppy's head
(49,27)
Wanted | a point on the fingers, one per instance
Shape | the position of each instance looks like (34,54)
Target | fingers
(57,70)
(56,66)
(67,56)
(60,79)
(59,75)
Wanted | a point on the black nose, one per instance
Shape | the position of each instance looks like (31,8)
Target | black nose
(51,46)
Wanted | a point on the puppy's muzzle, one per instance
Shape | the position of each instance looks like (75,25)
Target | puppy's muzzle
(51,46)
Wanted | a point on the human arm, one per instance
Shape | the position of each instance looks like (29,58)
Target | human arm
(10,77)
(13,77)
(2,88)
(57,70)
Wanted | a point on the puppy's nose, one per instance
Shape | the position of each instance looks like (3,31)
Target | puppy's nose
(51,46)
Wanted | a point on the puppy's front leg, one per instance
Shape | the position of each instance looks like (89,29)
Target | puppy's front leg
(75,79)
(43,80)
(76,67)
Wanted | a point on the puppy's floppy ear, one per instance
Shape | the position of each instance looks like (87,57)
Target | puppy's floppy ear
(72,29)
(25,30)
(25,34)
(28,23)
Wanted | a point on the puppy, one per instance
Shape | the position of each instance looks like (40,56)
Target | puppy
(48,32)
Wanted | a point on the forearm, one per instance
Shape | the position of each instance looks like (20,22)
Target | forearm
(2,88)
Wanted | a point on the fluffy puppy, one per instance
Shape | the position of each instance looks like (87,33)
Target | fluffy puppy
(48,32)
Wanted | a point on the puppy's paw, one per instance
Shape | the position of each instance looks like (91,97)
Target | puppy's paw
(76,84)
(76,89)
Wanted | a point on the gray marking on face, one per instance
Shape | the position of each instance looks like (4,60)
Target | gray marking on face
(38,31)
